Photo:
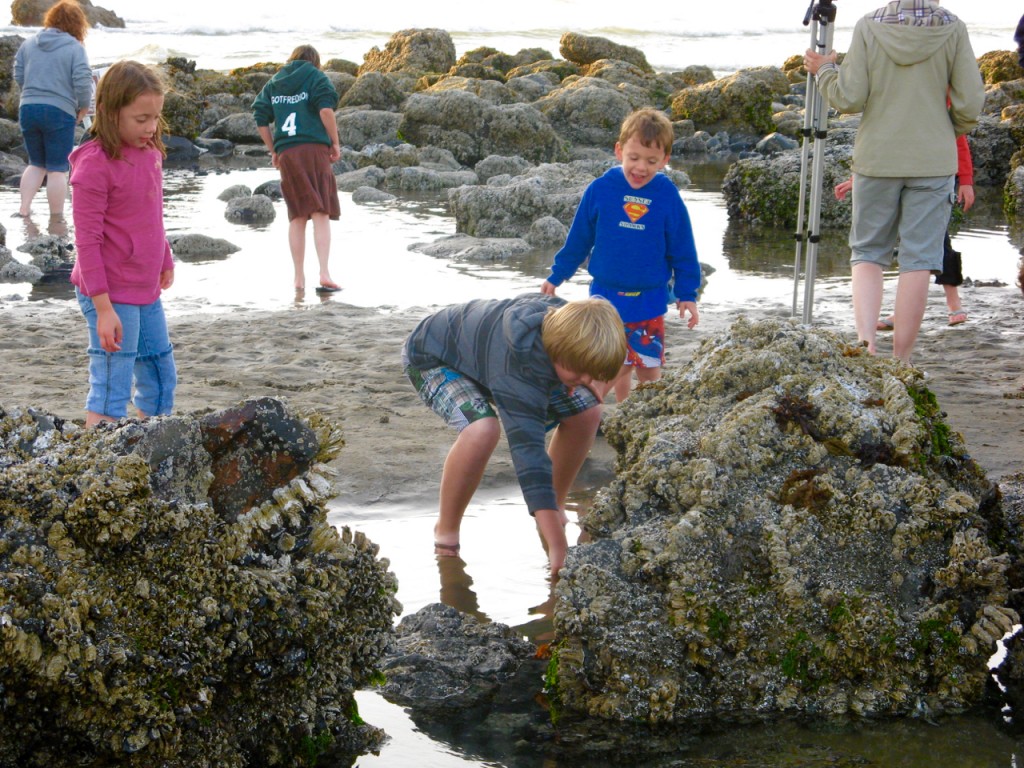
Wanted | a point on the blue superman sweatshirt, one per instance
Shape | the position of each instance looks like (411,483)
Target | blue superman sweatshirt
(637,240)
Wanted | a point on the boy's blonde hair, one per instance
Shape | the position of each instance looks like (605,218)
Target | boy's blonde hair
(651,126)
(68,16)
(120,85)
(586,337)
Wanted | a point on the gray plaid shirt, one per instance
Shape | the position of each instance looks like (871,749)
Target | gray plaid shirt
(915,13)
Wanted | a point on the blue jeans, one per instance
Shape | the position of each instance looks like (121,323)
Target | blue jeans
(49,135)
(146,359)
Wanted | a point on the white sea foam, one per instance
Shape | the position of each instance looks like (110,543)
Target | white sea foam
(742,33)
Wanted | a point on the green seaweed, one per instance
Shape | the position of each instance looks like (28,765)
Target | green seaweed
(931,417)
(551,689)
(312,748)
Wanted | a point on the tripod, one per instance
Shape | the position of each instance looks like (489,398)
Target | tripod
(821,16)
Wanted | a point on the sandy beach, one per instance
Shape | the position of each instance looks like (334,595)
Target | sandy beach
(343,361)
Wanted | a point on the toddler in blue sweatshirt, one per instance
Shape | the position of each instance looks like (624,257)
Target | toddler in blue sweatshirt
(635,230)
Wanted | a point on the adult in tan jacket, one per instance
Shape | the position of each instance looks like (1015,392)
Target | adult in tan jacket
(903,60)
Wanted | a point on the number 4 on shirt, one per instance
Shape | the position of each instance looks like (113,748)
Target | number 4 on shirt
(288,126)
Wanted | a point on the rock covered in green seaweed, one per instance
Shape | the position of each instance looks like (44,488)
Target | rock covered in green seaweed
(793,529)
(143,623)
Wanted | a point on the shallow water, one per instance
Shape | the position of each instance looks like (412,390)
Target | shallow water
(371,259)
(508,582)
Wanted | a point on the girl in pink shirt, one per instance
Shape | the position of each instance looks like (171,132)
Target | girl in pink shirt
(124,260)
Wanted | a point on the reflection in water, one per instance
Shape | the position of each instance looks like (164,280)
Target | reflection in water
(762,250)
(456,586)
(57,226)
(540,630)
(54,285)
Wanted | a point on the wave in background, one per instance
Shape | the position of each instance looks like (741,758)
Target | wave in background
(741,34)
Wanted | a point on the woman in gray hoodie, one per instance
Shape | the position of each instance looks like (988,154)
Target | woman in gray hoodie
(53,72)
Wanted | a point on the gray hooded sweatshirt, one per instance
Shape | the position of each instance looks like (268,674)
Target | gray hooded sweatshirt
(898,75)
(497,344)
(52,68)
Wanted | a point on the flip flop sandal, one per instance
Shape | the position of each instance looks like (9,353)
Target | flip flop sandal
(958,317)
(885,324)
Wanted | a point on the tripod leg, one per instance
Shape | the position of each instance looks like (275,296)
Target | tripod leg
(823,43)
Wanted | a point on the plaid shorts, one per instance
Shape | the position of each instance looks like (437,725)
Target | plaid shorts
(460,401)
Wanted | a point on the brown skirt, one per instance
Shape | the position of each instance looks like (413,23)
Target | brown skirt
(307,181)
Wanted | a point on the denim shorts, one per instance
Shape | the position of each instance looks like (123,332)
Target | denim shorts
(914,211)
(458,399)
(49,135)
(146,359)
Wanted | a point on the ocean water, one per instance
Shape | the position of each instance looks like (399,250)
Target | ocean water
(725,37)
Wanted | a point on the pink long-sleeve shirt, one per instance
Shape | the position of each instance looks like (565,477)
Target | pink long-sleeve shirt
(117,207)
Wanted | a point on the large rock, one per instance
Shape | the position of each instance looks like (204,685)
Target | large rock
(589,111)
(50,253)
(460,248)
(412,50)
(794,529)
(1010,672)
(999,66)
(10,135)
(491,91)
(10,94)
(373,90)
(493,59)
(507,207)
(361,127)
(471,128)
(192,246)
(419,179)
(532,87)
(1013,192)
(558,68)
(992,144)
(586,49)
(1002,95)
(258,209)
(451,660)
(617,72)
(30,13)
(238,128)
(739,103)
(164,601)
(766,190)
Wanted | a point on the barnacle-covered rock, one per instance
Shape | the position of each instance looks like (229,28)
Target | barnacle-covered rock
(172,594)
(793,529)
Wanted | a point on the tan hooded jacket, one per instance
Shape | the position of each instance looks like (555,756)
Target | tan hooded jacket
(898,76)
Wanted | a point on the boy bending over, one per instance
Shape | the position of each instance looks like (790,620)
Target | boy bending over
(531,361)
